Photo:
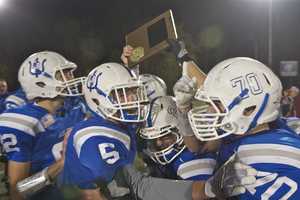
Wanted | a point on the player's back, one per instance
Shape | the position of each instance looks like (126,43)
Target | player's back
(96,149)
(27,136)
(276,156)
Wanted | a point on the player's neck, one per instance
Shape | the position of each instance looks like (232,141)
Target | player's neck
(259,128)
(50,105)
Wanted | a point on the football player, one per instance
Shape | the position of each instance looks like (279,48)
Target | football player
(232,177)
(166,147)
(31,136)
(101,145)
(240,102)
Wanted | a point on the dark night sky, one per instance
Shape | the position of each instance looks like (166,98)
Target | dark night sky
(89,32)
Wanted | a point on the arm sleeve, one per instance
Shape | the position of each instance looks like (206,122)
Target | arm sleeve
(197,169)
(149,188)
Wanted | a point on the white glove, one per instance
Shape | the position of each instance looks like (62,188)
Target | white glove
(117,191)
(184,91)
(231,179)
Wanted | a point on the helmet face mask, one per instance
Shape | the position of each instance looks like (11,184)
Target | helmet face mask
(208,117)
(164,142)
(47,74)
(113,92)
(240,94)
(129,101)
(67,84)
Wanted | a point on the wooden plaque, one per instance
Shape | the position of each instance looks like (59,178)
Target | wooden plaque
(151,37)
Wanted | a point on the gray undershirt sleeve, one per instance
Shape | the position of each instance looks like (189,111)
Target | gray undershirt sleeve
(151,188)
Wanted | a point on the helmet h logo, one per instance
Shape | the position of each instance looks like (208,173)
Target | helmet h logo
(37,68)
(92,82)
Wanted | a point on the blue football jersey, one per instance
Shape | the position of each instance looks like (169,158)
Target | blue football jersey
(275,154)
(96,149)
(190,166)
(2,102)
(31,134)
(16,99)
(73,111)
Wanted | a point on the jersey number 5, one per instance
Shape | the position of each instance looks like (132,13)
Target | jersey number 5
(108,154)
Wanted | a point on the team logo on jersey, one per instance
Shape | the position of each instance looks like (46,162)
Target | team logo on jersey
(92,82)
(37,67)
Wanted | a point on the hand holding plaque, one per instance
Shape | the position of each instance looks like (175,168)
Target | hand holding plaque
(151,37)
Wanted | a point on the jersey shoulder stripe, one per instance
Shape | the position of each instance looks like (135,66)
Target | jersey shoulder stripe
(21,122)
(270,153)
(81,136)
(202,166)
(15,99)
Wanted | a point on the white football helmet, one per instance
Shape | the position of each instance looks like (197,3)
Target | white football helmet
(155,86)
(238,94)
(112,91)
(164,143)
(42,75)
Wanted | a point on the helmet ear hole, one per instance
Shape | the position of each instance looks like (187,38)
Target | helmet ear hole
(96,101)
(40,84)
(249,110)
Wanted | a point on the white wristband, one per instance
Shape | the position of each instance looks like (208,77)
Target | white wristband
(208,189)
(34,183)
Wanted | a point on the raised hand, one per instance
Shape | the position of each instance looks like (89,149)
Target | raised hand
(127,52)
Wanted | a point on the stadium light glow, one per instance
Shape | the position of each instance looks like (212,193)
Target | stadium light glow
(2,3)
